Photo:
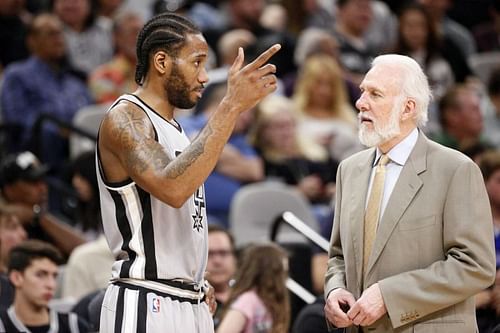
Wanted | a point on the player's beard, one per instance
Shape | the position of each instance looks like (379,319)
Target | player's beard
(177,90)
(380,133)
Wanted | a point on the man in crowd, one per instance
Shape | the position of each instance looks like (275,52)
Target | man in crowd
(33,272)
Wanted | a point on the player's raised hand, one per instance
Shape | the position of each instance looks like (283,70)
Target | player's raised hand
(249,84)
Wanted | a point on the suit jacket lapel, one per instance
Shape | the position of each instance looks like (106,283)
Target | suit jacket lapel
(405,190)
(357,214)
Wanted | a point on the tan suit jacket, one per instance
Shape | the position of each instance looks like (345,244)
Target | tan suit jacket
(434,245)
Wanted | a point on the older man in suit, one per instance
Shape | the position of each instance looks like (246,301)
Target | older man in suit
(412,239)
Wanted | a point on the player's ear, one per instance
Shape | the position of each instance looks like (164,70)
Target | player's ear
(162,62)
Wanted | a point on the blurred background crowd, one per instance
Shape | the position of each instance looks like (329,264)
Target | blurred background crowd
(62,62)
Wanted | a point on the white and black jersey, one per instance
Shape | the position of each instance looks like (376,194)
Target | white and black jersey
(152,241)
(59,323)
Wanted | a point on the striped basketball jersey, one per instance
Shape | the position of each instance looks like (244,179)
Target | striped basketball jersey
(151,240)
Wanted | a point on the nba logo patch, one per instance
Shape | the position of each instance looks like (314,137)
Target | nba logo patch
(156,305)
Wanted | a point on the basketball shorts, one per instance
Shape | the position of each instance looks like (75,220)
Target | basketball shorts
(129,308)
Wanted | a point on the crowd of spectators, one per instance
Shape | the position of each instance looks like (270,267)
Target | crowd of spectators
(59,56)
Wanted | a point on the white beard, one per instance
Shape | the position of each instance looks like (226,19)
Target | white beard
(380,133)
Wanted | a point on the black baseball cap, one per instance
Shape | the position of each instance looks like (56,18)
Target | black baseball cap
(21,166)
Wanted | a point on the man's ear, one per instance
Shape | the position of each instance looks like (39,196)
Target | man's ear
(409,109)
(16,278)
(162,62)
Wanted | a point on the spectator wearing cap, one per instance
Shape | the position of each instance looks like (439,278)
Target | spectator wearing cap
(24,194)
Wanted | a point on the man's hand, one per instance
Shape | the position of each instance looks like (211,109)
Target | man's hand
(210,298)
(368,308)
(248,85)
(338,301)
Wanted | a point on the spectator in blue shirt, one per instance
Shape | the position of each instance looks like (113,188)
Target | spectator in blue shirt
(42,84)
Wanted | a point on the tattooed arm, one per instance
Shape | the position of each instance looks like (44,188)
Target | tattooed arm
(128,148)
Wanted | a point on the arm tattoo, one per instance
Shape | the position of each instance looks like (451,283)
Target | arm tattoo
(135,135)
(189,156)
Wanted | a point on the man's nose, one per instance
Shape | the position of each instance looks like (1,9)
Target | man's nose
(51,283)
(361,103)
(203,77)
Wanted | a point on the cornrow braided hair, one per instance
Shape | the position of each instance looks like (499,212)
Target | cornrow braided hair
(165,32)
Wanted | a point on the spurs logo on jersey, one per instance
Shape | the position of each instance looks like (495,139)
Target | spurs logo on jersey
(199,204)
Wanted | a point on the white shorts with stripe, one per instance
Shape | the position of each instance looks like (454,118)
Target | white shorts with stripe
(130,308)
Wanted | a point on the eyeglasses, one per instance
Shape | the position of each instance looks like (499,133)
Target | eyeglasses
(220,253)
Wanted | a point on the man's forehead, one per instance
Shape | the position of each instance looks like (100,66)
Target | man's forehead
(382,77)
(43,264)
(195,45)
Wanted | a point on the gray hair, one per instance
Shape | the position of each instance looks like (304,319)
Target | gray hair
(414,83)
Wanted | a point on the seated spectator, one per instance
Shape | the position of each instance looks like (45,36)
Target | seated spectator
(12,234)
(461,119)
(52,91)
(314,41)
(116,77)
(288,155)
(221,266)
(381,33)
(320,99)
(259,300)
(33,272)
(24,193)
(352,21)
(89,41)
(418,39)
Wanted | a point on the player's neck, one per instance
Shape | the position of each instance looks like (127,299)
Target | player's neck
(156,100)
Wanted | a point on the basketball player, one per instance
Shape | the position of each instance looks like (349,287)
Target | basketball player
(151,179)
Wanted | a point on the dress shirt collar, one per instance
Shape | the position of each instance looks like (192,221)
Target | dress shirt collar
(399,153)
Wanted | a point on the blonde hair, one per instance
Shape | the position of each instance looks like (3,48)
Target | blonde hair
(268,108)
(262,268)
(315,66)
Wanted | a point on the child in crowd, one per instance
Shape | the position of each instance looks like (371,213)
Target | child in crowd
(259,299)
